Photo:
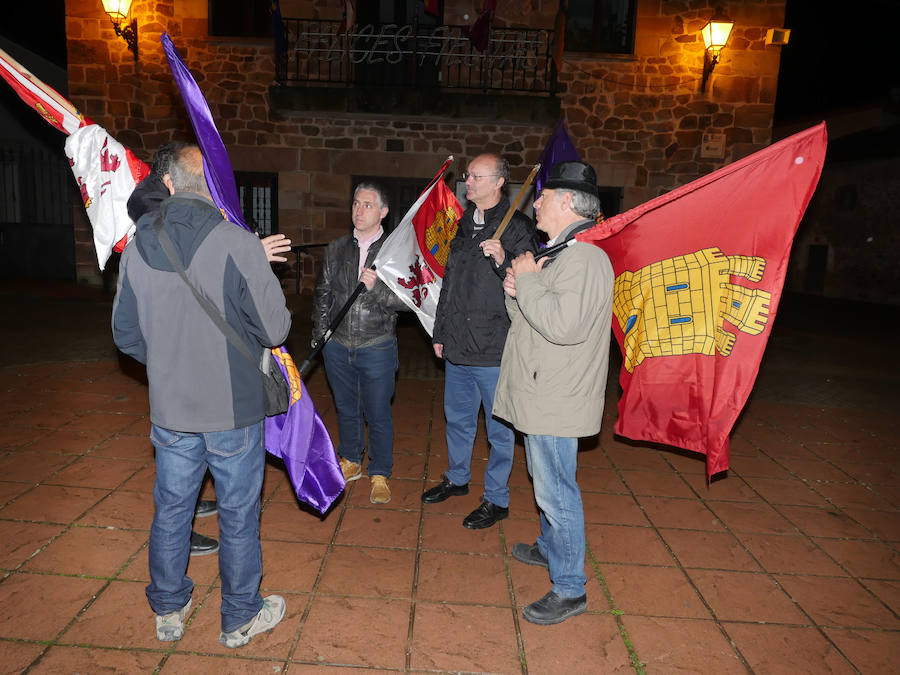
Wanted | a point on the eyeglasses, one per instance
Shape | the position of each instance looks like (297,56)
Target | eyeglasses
(466,175)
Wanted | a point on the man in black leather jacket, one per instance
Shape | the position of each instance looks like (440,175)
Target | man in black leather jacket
(469,333)
(361,357)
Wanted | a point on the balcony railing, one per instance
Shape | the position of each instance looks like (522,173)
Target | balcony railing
(321,52)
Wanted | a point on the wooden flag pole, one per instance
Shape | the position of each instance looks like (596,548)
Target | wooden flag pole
(517,202)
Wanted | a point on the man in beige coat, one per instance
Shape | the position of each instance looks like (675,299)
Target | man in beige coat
(553,377)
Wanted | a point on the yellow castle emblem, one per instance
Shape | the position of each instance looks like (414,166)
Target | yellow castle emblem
(440,233)
(679,305)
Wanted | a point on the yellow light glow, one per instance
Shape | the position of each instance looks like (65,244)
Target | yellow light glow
(117,9)
(716,32)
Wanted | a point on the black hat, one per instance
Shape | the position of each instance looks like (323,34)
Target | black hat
(573,176)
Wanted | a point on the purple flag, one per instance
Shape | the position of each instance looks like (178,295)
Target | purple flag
(558,149)
(300,438)
(219,174)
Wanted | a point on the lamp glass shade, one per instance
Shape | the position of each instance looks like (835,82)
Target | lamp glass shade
(716,32)
(117,9)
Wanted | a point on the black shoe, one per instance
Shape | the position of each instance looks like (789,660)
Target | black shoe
(206,507)
(553,608)
(202,545)
(485,515)
(530,555)
(444,491)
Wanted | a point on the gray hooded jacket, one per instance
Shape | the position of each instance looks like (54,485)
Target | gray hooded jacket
(198,381)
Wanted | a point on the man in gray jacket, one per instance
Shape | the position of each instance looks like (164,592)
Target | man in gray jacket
(553,377)
(206,397)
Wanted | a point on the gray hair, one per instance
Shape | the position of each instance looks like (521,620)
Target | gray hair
(377,189)
(584,204)
(162,160)
(502,169)
(186,171)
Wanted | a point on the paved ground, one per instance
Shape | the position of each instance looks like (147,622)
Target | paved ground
(788,565)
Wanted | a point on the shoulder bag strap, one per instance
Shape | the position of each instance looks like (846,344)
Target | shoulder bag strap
(230,334)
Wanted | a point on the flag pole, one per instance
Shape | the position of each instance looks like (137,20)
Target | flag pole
(360,288)
(335,322)
(517,202)
(37,82)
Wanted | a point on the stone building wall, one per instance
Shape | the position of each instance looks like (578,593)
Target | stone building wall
(638,118)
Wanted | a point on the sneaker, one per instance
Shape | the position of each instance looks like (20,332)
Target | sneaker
(268,617)
(381,493)
(170,627)
(351,470)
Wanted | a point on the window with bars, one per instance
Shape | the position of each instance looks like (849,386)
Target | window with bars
(258,192)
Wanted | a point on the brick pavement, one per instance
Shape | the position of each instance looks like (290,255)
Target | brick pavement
(790,564)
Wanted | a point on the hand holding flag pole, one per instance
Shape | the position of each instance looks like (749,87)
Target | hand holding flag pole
(517,202)
(360,288)
(335,322)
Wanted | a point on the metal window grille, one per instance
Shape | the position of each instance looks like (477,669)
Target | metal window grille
(258,192)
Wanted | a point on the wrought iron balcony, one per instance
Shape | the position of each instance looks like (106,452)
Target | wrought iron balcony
(390,55)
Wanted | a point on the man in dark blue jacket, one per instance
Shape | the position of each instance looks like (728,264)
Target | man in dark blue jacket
(470,329)
(207,406)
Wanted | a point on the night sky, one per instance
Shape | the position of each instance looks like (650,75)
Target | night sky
(835,59)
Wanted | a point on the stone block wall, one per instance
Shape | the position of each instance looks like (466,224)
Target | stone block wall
(638,118)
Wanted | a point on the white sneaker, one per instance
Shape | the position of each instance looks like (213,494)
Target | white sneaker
(170,627)
(268,617)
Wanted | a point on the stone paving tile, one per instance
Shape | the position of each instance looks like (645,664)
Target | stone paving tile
(23,540)
(90,551)
(870,651)
(709,550)
(739,596)
(53,503)
(653,591)
(443,639)
(334,634)
(388,572)
(562,649)
(52,602)
(838,602)
(787,649)
(682,645)
(813,494)
(681,513)
(790,554)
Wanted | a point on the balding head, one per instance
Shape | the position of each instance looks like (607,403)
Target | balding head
(186,172)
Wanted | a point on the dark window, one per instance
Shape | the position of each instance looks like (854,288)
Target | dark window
(610,200)
(259,200)
(605,26)
(378,23)
(401,192)
(240,18)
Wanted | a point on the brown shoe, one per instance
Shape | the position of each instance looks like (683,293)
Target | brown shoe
(351,470)
(381,493)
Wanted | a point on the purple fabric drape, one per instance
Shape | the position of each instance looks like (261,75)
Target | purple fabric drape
(558,149)
(300,438)
(219,174)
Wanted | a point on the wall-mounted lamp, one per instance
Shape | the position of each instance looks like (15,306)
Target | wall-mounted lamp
(117,11)
(715,34)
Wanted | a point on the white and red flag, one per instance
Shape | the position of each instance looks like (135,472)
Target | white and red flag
(105,170)
(411,260)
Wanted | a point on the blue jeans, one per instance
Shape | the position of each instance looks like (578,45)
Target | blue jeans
(466,389)
(236,459)
(552,461)
(362,381)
